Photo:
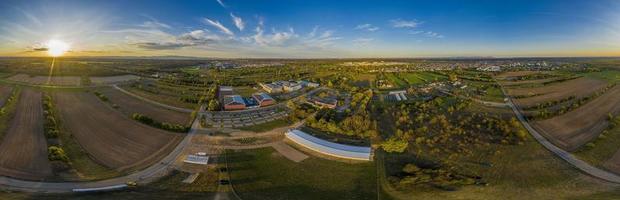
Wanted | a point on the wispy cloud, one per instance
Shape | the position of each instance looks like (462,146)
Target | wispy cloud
(153,24)
(400,23)
(367,27)
(290,39)
(159,45)
(219,26)
(430,34)
(221,2)
(238,22)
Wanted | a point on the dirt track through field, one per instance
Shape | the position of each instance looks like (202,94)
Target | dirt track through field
(573,129)
(109,137)
(23,151)
(129,105)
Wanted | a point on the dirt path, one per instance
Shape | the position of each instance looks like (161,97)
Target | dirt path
(23,152)
(289,152)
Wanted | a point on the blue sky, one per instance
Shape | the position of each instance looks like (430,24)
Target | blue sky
(296,28)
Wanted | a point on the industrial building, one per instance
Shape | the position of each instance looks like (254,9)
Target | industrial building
(263,99)
(286,86)
(233,102)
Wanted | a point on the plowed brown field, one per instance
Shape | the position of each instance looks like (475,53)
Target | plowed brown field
(5,92)
(109,137)
(576,85)
(586,88)
(577,127)
(23,151)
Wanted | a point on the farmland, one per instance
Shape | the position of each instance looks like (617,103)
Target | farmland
(577,88)
(23,151)
(43,80)
(5,92)
(572,85)
(130,105)
(102,80)
(109,138)
(583,124)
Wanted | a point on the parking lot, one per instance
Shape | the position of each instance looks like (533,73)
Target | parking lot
(246,117)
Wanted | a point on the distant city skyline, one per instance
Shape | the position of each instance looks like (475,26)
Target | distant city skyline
(312,29)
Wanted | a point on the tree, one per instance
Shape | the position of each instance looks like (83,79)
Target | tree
(56,153)
(395,145)
(213,105)
(452,77)
(411,169)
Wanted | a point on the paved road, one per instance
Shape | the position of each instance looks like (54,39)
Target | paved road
(144,176)
(568,157)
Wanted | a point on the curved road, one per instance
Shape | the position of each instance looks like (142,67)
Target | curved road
(147,175)
(566,156)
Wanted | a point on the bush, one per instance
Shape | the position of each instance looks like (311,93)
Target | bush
(55,153)
(101,96)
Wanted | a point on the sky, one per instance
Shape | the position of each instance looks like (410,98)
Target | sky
(312,29)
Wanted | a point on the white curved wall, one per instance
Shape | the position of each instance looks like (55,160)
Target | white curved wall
(327,147)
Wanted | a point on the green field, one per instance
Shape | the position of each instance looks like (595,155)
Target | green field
(395,80)
(265,174)
(267,126)
(245,91)
(612,76)
(415,78)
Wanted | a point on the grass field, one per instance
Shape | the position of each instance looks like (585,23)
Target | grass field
(265,174)
(516,172)
(165,99)
(267,126)
(604,148)
(245,91)
(395,80)
(493,94)
(613,76)
(414,78)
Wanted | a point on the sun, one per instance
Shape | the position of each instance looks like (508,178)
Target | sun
(57,48)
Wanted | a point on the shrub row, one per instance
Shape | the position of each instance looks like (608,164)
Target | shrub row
(162,125)
(52,130)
